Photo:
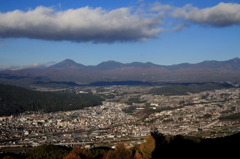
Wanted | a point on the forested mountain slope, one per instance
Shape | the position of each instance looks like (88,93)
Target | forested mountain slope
(15,100)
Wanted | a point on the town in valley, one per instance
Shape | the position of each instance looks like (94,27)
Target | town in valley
(128,114)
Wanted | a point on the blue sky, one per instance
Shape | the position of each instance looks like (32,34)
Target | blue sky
(43,32)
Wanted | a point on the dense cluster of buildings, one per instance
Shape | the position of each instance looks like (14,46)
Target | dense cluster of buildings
(193,114)
(196,112)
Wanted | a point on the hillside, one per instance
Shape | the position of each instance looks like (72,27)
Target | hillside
(15,100)
(191,88)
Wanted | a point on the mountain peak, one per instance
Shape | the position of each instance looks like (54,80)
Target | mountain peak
(68,60)
(236,58)
(66,63)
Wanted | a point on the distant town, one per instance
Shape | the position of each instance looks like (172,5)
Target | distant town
(121,119)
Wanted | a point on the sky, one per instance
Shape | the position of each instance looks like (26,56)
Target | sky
(36,33)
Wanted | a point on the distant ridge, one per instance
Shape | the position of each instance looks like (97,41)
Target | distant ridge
(107,65)
(109,71)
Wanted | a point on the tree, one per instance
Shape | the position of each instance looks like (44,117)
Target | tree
(148,147)
(47,152)
(121,152)
(138,155)
(79,151)
(72,156)
(8,157)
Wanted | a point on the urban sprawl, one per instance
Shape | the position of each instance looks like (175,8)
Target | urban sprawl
(104,125)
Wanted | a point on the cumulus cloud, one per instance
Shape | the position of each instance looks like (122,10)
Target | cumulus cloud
(221,15)
(80,25)
(120,25)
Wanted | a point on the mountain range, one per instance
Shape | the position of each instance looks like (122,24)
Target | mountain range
(70,71)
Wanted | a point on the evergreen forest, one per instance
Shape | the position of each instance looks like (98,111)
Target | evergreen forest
(15,100)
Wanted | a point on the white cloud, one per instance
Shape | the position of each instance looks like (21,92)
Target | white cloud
(79,25)
(221,15)
(34,65)
(157,6)
(9,67)
(179,27)
(120,25)
(39,65)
